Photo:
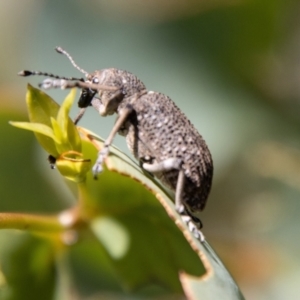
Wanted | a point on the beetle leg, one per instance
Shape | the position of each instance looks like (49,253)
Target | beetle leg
(168,165)
(193,223)
(193,228)
(97,168)
(79,116)
(163,166)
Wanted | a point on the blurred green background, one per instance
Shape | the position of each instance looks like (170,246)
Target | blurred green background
(233,67)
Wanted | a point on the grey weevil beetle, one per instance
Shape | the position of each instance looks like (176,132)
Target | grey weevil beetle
(158,134)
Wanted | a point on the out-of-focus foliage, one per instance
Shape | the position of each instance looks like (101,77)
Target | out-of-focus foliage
(232,68)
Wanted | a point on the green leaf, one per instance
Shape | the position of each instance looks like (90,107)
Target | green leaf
(60,145)
(28,267)
(70,133)
(41,108)
(105,228)
(160,245)
(44,110)
(216,284)
(56,133)
(37,128)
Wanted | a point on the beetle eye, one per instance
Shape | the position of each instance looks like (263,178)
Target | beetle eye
(95,80)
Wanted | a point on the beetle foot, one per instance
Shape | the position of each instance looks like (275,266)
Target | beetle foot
(98,168)
(193,225)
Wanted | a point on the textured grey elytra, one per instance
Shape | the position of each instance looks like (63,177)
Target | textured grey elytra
(158,134)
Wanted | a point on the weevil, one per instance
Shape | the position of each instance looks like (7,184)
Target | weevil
(158,134)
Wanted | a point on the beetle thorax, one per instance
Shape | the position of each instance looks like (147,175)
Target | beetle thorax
(127,86)
(128,83)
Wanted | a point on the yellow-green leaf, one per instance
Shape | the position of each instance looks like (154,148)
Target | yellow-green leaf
(37,128)
(63,113)
(69,130)
(41,108)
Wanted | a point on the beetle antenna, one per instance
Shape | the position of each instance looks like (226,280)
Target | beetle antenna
(30,73)
(62,51)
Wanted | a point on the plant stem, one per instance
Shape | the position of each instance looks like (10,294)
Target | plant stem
(30,222)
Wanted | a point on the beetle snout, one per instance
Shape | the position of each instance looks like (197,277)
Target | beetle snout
(86,98)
